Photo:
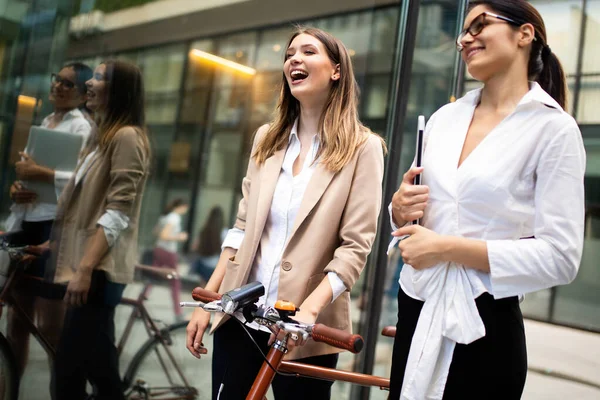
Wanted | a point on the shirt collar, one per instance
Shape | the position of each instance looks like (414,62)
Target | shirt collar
(294,133)
(74,113)
(535,94)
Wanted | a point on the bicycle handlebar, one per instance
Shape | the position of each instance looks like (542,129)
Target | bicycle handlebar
(337,338)
(319,332)
(205,296)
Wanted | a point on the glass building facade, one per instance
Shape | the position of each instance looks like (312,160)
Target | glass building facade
(202,116)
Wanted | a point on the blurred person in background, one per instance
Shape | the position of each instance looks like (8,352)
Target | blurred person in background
(34,219)
(94,238)
(208,244)
(306,222)
(502,207)
(166,250)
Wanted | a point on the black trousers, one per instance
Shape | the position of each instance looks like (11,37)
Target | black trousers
(493,367)
(86,351)
(236,362)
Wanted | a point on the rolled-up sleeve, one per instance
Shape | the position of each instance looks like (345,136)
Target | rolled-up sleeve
(113,222)
(552,257)
(233,239)
(358,226)
(128,166)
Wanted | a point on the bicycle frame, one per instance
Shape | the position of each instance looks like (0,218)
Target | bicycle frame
(7,297)
(275,356)
(152,329)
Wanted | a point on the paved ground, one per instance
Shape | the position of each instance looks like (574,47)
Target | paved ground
(564,352)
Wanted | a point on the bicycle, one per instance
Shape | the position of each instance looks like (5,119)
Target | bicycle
(154,358)
(279,318)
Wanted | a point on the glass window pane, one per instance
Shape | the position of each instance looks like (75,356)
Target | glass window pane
(589,100)
(563,24)
(591,48)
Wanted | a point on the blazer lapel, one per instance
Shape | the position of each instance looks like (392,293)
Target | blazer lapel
(268,181)
(314,191)
(86,169)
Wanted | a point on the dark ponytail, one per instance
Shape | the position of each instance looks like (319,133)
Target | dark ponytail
(544,67)
(552,77)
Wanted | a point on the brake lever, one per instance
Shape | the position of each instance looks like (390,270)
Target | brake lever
(213,306)
(296,327)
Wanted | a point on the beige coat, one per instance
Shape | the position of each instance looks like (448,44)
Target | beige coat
(334,230)
(114,180)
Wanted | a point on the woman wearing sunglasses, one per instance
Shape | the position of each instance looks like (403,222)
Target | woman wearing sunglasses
(502,210)
(68,96)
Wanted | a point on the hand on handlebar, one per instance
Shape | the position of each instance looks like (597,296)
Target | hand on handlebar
(295,339)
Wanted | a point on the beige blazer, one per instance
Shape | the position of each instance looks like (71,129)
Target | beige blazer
(334,231)
(114,180)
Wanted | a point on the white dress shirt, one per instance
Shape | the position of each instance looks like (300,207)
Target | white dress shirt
(113,222)
(521,190)
(73,122)
(287,197)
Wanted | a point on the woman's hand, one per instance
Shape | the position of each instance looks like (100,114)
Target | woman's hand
(305,317)
(423,248)
(27,169)
(183,236)
(195,331)
(409,202)
(79,287)
(20,195)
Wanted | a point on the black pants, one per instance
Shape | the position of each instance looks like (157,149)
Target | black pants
(86,351)
(493,367)
(236,362)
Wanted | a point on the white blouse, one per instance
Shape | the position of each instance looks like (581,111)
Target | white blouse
(74,122)
(287,197)
(521,190)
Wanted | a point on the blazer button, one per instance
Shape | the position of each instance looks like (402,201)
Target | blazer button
(286,265)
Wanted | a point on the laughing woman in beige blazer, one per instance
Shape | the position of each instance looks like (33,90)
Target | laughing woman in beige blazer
(94,238)
(307,220)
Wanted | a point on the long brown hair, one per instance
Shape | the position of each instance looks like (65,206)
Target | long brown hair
(544,67)
(341,133)
(125,105)
(209,240)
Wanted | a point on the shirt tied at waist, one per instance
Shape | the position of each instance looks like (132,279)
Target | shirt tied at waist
(449,316)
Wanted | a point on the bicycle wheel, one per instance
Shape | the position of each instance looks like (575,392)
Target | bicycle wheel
(168,370)
(9,379)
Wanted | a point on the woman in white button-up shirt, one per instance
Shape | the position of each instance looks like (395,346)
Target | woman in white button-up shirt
(306,222)
(67,95)
(502,208)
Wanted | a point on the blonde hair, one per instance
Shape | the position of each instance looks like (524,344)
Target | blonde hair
(341,133)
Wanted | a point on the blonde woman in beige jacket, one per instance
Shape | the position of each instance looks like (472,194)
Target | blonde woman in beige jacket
(307,220)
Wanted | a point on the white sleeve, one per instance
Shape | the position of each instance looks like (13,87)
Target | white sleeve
(553,255)
(395,227)
(60,180)
(233,239)
(337,285)
(113,222)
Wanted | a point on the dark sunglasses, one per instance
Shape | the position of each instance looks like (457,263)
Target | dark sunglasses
(478,24)
(56,79)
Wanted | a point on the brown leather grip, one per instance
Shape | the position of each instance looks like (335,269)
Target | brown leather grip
(389,331)
(337,338)
(205,296)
